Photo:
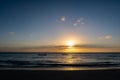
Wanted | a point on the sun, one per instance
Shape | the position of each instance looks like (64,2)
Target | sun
(70,43)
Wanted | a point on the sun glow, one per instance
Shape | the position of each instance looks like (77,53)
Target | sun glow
(70,43)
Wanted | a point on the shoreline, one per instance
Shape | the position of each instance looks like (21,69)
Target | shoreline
(61,68)
(103,74)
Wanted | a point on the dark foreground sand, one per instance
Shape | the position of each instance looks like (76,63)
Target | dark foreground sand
(113,74)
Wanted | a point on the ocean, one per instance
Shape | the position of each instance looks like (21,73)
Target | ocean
(59,60)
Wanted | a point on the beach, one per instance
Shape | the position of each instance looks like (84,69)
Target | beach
(104,74)
(59,66)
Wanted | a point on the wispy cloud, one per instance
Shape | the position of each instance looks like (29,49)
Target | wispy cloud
(12,33)
(82,23)
(66,47)
(75,24)
(63,18)
(81,48)
(106,37)
(79,22)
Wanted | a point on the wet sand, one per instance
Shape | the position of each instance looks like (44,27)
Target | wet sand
(108,74)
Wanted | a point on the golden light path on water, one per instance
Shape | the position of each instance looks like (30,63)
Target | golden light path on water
(69,59)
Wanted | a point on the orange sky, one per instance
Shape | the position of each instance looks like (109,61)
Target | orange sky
(60,49)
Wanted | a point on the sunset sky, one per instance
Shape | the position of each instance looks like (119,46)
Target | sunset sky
(50,25)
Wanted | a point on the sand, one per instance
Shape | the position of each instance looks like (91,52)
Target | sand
(110,74)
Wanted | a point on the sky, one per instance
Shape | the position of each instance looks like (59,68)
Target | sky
(47,25)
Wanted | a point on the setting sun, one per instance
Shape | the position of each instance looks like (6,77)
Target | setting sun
(70,43)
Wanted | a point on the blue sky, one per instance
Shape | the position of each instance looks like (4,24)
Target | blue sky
(32,23)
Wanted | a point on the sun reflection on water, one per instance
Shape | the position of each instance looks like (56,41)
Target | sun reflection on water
(70,59)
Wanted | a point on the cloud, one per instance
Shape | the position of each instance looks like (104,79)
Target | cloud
(82,23)
(79,22)
(66,47)
(12,33)
(63,18)
(105,37)
(108,37)
(75,24)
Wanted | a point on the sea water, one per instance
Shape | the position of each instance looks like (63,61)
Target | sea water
(59,60)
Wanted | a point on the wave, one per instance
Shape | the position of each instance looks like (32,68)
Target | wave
(14,63)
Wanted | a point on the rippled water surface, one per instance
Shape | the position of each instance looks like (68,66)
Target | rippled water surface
(59,60)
